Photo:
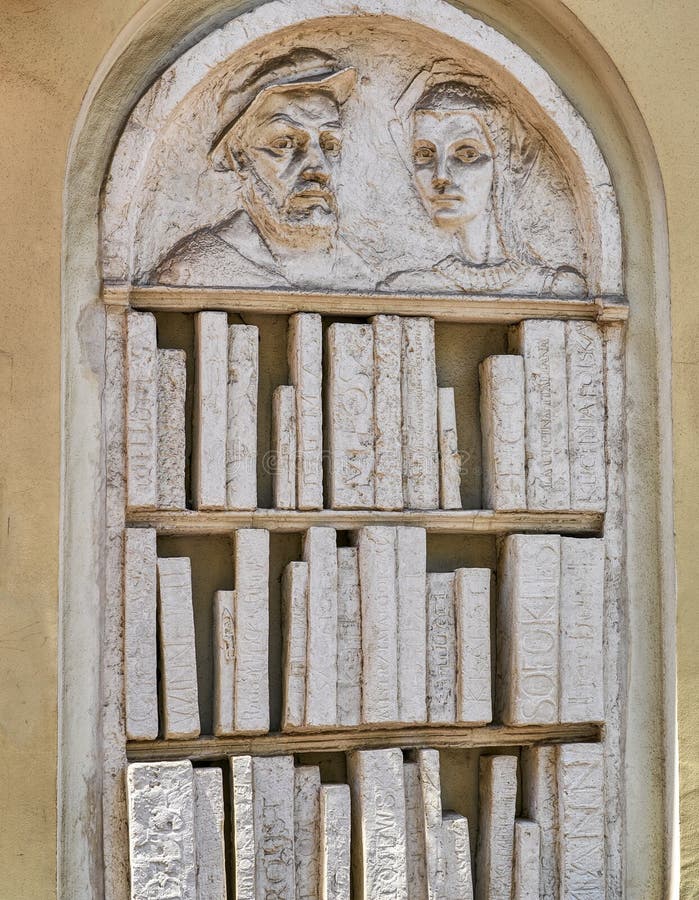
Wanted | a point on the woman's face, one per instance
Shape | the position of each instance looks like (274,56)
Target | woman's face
(453,165)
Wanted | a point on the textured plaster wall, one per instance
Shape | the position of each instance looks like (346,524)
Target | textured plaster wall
(49,50)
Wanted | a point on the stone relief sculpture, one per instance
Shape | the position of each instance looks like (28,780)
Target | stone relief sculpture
(283,141)
(469,154)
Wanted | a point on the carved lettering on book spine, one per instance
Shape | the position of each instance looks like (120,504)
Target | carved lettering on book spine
(305,367)
(172,387)
(141,410)
(320,552)
(502,427)
(224,647)
(349,638)
(419,400)
(210,405)
(241,431)
(497,796)
(411,585)
(140,648)
(441,648)
(209,823)
(473,681)
(388,480)
(273,801)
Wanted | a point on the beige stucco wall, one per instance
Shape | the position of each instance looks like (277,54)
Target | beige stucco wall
(48,53)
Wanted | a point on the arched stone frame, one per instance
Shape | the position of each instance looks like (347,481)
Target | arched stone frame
(619,129)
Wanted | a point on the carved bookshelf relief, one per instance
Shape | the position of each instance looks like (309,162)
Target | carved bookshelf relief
(366,469)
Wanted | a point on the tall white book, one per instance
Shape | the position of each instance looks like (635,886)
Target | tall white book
(502,429)
(241,427)
(305,368)
(441,648)
(419,402)
(210,408)
(388,482)
(141,410)
(320,552)
(496,823)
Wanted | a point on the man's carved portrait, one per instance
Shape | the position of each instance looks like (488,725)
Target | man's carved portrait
(282,142)
(469,156)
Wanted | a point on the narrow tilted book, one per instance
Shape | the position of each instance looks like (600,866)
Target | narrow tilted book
(496,824)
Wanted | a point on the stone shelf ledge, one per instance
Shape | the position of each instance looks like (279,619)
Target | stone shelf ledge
(448,308)
(339,740)
(190,522)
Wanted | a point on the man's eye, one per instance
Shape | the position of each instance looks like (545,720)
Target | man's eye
(468,153)
(330,144)
(283,143)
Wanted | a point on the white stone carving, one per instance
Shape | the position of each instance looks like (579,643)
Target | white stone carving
(251,550)
(350,424)
(244,836)
(335,819)
(435,860)
(473,670)
(528,624)
(497,795)
(284,446)
(388,474)
(376,546)
(273,804)
(542,344)
(525,876)
(141,410)
(449,456)
(307,832)
(378,822)
(411,584)
(172,386)
(320,552)
(441,648)
(140,649)
(502,426)
(349,638)
(161,831)
(540,802)
(224,650)
(178,671)
(295,632)
(210,841)
(457,853)
(241,432)
(414,833)
(305,358)
(419,401)
(210,403)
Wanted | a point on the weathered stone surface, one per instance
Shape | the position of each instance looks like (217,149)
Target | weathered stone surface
(528,622)
(525,874)
(161,831)
(540,803)
(473,669)
(172,389)
(141,410)
(210,404)
(244,836)
(336,820)
(441,648)
(457,852)
(581,630)
(224,647)
(241,427)
(349,638)
(376,546)
(307,832)
(294,636)
(586,415)
(542,344)
(305,361)
(210,841)
(140,648)
(414,833)
(496,822)
(178,670)
(388,464)
(411,584)
(251,551)
(435,861)
(320,552)
(284,446)
(419,402)
(449,456)
(378,824)
(502,427)
(581,815)
(273,801)
(350,423)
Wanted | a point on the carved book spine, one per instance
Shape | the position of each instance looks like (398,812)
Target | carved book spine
(414,833)
(581,810)
(224,647)
(496,821)
(172,387)
(294,618)
(209,831)
(307,831)
(320,552)
(449,457)
(335,819)
(586,415)
(472,612)
(419,427)
(305,367)
(210,402)
(502,427)
(457,854)
(441,648)
(244,838)
(284,446)
(141,411)
(528,623)
(350,416)
(411,584)
(349,638)
(525,875)
(388,481)
(273,804)
(430,791)
(540,803)
(542,344)
(251,551)
(180,695)
(140,647)
(241,429)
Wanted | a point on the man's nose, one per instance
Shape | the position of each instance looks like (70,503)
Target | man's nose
(315,163)
(440,174)
(315,173)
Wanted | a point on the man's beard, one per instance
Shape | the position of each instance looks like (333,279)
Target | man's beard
(291,225)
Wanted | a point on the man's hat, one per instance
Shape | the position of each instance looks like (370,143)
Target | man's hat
(302,69)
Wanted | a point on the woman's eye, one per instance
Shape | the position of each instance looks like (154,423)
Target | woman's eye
(423,154)
(468,154)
